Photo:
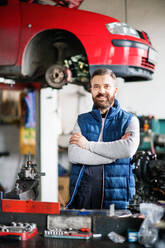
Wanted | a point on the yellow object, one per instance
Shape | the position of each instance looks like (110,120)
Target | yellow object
(146,126)
(27,140)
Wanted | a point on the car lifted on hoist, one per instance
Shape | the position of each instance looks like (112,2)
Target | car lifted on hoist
(55,45)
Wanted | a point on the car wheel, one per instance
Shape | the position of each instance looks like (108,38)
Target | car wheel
(55,76)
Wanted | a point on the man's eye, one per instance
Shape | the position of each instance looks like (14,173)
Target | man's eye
(96,86)
(107,86)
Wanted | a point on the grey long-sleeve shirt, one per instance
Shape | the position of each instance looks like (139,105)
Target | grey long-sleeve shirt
(98,153)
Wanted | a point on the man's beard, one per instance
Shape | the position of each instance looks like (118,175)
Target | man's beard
(106,103)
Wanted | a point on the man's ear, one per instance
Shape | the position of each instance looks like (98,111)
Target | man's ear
(116,91)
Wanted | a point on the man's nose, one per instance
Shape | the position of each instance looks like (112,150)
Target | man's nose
(101,90)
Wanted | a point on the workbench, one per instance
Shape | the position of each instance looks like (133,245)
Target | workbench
(40,242)
(100,223)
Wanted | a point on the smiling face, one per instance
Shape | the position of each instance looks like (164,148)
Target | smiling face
(103,91)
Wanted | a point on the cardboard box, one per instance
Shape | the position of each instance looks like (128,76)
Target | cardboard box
(63,188)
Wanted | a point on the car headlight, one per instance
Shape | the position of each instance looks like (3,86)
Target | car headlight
(122,29)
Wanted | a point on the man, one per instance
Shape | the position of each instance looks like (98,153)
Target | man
(101,147)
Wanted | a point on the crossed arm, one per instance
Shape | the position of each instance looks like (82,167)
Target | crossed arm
(95,153)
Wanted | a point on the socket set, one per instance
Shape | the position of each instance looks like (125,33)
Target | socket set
(20,231)
(83,233)
(74,227)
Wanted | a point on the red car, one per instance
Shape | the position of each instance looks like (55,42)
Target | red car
(56,45)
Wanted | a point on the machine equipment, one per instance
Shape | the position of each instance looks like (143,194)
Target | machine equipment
(150,179)
(26,186)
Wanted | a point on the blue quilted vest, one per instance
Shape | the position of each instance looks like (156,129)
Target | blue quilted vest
(119,184)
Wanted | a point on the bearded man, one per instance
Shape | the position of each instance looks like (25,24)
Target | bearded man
(101,147)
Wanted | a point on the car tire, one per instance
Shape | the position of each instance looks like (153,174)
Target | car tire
(55,76)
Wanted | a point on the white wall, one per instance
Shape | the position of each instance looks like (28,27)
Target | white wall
(72,100)
(113,8)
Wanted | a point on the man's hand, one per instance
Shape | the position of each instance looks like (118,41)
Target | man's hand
(78,139)
(126,135)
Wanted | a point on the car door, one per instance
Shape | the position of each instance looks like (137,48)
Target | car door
(9,31)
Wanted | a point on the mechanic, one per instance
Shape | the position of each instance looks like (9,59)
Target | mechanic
(101,147)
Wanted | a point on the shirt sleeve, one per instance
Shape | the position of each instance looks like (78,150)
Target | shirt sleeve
(83,156)
(123,148)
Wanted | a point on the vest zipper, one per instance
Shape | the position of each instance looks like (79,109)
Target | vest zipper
(102,200)
(100,139)
(75,188)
